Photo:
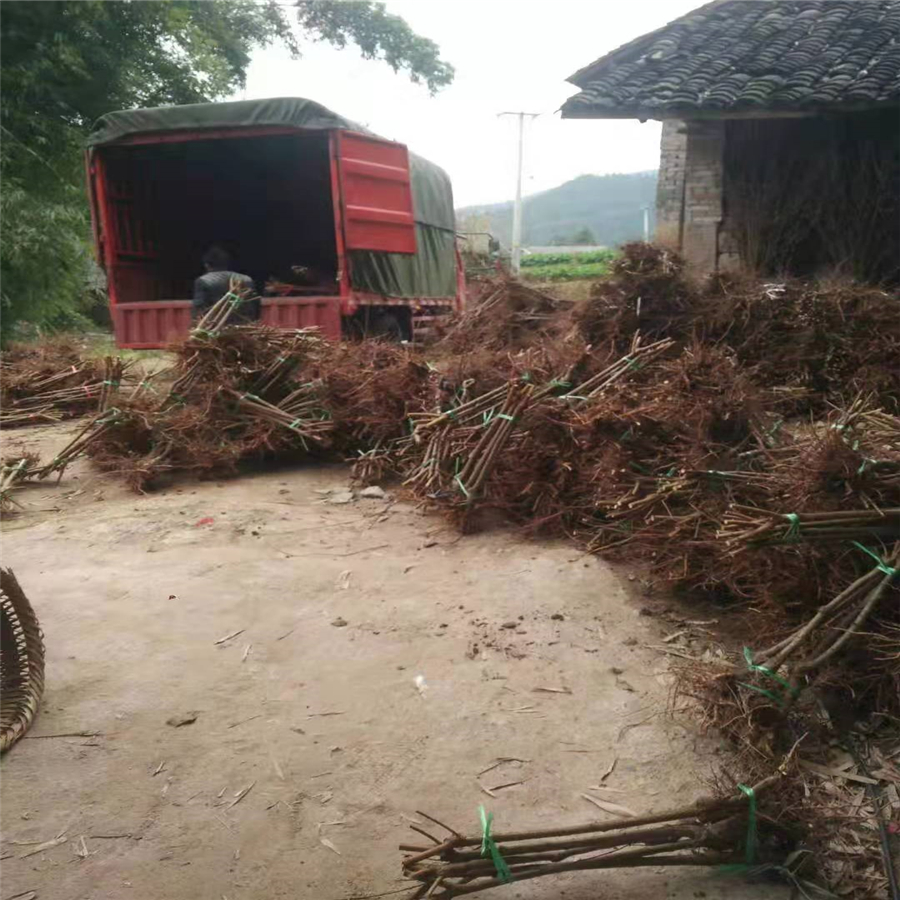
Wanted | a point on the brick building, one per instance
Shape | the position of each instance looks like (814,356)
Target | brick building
(780,146)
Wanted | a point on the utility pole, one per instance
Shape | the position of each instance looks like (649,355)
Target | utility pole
(517,208)
(646,211)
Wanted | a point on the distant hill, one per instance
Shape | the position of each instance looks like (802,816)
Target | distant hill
(609,206)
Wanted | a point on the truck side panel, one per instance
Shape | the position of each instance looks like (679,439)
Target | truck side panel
(303,312)
(152,324)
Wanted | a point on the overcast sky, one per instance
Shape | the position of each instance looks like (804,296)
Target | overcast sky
(509,55)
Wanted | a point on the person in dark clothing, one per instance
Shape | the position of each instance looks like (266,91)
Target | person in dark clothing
(211,286)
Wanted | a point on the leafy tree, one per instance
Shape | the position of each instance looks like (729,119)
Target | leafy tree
(379,35)
(66,62)
(63,65)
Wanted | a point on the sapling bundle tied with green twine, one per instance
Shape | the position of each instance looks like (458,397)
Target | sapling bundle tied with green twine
(715,833)
(54,381)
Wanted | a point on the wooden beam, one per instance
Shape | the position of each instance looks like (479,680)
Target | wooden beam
(693,114)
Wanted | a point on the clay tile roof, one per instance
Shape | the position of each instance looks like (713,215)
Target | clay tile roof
(734,56)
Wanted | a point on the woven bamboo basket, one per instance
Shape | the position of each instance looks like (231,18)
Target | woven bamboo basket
(21,661)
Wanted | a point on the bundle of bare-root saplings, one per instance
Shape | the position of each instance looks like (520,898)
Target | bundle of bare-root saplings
(721,833)
(250,392)
(54,379)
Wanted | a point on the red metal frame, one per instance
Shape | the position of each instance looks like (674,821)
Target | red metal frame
(364,298)
(302,312)
(166,320)
(348,307)
(98,184)
(274,310)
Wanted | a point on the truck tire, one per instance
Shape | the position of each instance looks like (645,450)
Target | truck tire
(374,322)
(391,326)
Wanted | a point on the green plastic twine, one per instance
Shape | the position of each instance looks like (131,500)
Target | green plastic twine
(462,487)
(768,673)
(881,565)
(111,414)
(489,847)
(661,479)
(112,383)
(750,846)
(505,416)
(793,529)
(751,841)
(631,363)
(563,384)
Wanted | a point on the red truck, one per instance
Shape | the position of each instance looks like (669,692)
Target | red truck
(338,228)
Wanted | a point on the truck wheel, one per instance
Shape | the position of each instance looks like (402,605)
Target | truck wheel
(390,327)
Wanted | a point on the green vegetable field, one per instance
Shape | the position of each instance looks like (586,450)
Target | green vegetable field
(567,266)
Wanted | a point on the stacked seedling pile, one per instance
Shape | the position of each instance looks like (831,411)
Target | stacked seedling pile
(808,341)
(508,315)
(739,440)
(250,392)
(235,397)
(53,380)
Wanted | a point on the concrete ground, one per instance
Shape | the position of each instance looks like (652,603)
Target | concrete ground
(343,665)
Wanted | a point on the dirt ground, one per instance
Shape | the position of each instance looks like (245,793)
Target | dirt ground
(347,663)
